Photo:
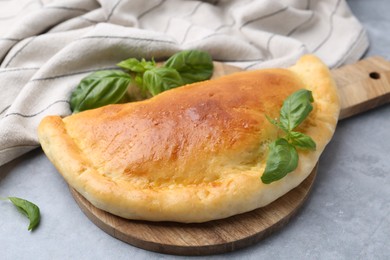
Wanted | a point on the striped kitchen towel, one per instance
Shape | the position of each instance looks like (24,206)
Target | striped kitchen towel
(47,46)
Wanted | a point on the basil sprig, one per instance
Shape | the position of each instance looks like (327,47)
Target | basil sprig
(283,156)
(29,209)
(111,86)
(138,68)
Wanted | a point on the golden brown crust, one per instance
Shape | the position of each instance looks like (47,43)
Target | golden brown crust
(194,153)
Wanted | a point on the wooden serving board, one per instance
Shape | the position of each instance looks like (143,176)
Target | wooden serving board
(213,237)
(362,86)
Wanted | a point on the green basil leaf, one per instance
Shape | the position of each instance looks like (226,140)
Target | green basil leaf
(99,89)
(282,159)
(131,64)
(161,79)
(295,109)
(137,66)
(301,140)
(192,65)
(28,209)
(138,79)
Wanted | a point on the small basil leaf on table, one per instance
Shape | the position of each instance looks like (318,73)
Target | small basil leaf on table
(301,141)
(160,79)
(295,109)
(192,65)
(99,89)
(282,159)
(28,209)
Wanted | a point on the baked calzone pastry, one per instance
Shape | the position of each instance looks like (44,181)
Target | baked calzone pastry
(194,153)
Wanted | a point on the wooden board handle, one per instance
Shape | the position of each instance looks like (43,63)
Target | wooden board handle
(363,85)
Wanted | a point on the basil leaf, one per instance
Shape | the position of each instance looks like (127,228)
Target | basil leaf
(137,66)
(158,80)
(281,160)
(28,209)
(295,109)
(192,65)
(99,89)
(301,140)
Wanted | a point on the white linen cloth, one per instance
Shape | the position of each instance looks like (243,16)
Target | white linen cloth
(47,47)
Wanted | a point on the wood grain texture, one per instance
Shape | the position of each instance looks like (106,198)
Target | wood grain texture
(363,85)
(213,237)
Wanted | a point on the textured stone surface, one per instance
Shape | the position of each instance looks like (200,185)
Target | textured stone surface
(346,217)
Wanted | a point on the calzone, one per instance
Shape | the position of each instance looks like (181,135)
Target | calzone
(194,153)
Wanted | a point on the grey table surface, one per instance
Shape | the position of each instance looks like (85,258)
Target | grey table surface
(347,215)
